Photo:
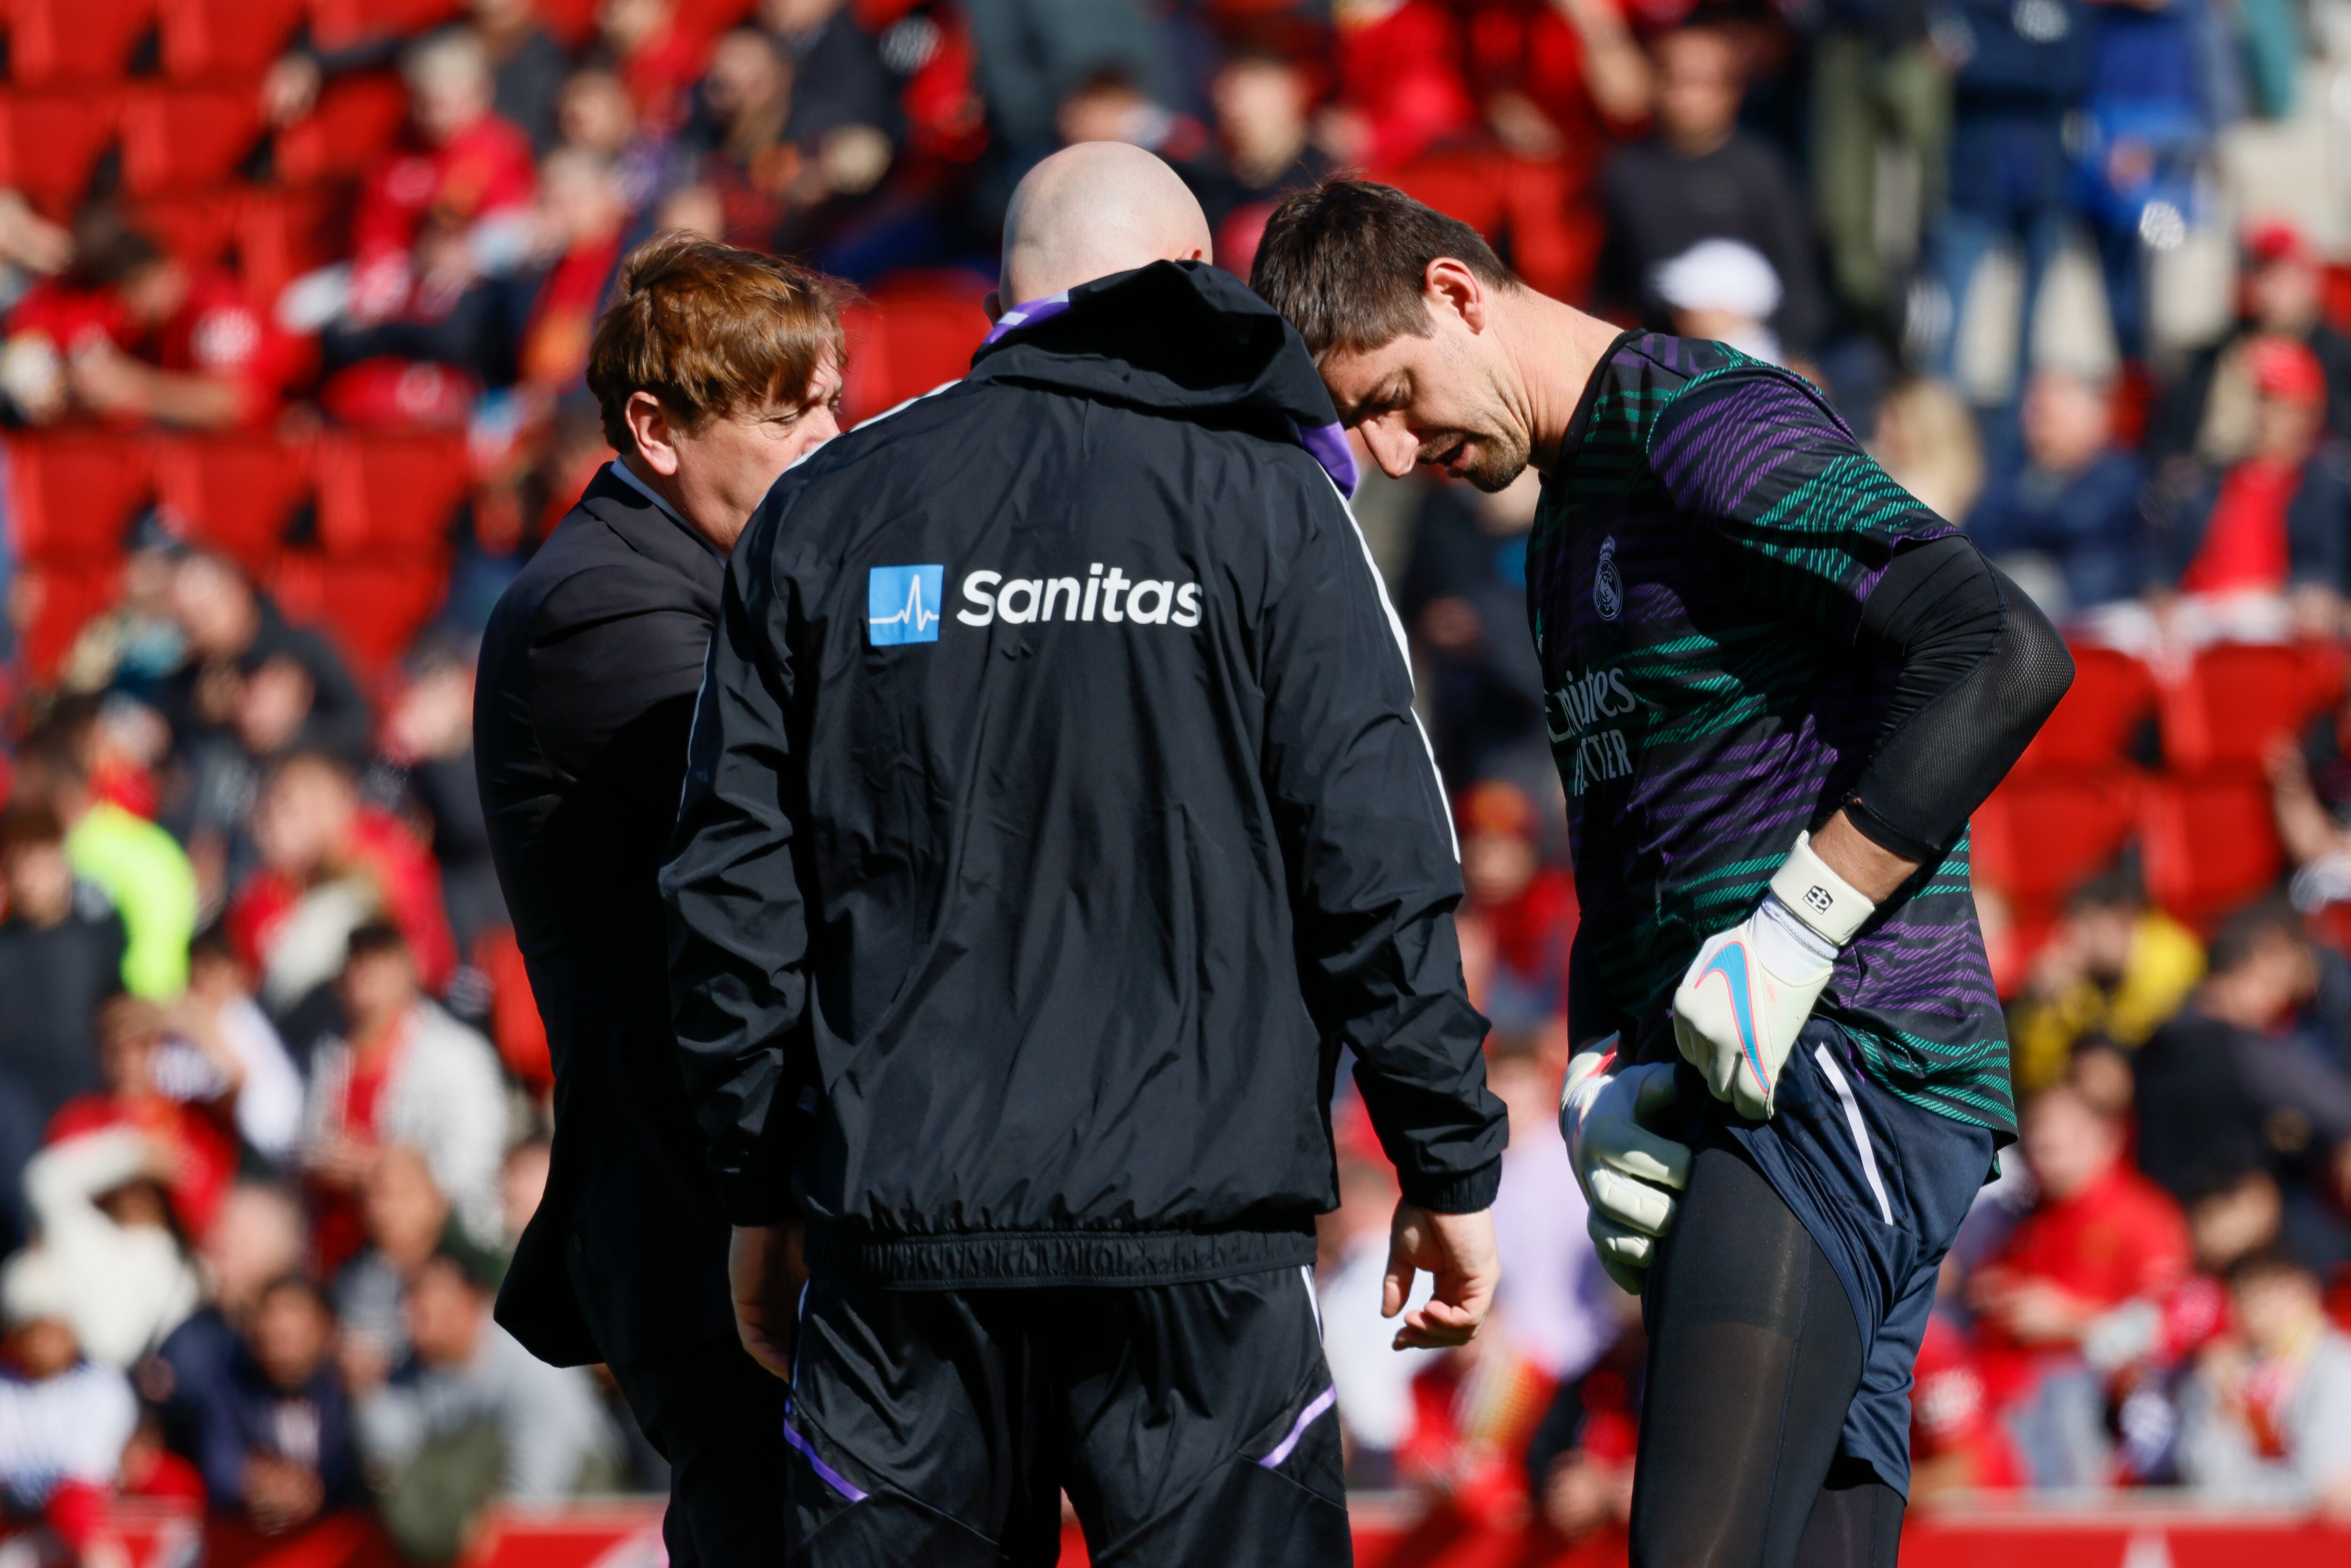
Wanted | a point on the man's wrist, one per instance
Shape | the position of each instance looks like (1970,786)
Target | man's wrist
(1828,905)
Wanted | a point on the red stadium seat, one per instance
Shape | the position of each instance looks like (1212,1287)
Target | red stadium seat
(217,38)
(2092,726)
(198,226)
(175,138)
(2237,698)
(385,493)
(337,23)
(2211,845)
(282,234)
(915,331)
(374,609)
(71,493)
(2037,838)
(232,492)
(48,141)
(52,43)
(356,123)
(55,601)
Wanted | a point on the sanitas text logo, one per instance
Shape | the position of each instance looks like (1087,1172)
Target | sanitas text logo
(1110,596)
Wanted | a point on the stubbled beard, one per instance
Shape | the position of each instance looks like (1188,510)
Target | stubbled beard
(1500,463)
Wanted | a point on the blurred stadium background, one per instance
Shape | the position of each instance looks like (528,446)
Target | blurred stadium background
(294,298)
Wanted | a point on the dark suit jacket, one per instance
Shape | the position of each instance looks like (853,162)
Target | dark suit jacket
(587,679)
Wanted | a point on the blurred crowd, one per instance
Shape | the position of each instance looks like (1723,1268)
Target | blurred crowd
(273,1096)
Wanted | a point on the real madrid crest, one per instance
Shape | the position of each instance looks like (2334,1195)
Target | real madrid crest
(1607,584)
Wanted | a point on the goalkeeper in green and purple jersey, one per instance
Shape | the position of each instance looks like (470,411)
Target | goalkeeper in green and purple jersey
(1776,686)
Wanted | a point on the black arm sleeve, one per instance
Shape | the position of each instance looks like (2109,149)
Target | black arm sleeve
(1589,1014)
(1374,880)
(1980,668)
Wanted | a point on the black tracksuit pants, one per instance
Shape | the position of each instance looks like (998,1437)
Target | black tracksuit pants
(717,1417)
(1190,1424)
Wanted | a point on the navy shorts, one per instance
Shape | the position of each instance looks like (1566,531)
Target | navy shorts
(1881,1185)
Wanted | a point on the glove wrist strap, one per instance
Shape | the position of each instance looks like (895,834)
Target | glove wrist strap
(1831,908)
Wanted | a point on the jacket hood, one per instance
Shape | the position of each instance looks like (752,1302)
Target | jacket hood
(1180,338)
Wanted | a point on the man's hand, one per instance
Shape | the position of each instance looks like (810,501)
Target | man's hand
(764,1275)
(1624,1169)
(1457,1250)
(1750,989)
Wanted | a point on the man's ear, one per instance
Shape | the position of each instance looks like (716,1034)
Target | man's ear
(649,425)
(1452,288)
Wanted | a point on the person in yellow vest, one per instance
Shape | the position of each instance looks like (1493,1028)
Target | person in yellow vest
(2114,968)
(137,865)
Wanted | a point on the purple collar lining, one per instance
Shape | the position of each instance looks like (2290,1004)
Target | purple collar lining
(1028,314)
(1326,444)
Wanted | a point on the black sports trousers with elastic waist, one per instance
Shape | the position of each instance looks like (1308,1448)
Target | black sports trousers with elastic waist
(1190,1424)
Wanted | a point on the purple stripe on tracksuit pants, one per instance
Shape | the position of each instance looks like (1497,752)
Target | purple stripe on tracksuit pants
(1189,1423)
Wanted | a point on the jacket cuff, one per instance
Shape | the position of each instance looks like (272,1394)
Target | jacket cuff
(1467,1194)
(755,1200)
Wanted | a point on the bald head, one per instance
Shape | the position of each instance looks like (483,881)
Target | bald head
(1095,209)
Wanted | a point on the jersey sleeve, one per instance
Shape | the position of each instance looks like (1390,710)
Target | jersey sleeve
(1796,500)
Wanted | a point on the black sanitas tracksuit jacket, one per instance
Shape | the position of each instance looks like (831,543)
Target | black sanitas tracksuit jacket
(1055,811)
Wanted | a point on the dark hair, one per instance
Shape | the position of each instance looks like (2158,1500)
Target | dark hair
(2119,886)
(1105,78)
(59,745)
(314,762)
(210,944)
(107,251)
(375,939)
(2268,1263)
(2249,930)
(28,824)
(477,1269)
(710,329)
(298,1284)
(1348,263)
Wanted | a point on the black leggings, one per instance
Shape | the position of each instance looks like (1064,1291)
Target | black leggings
(1753,1358)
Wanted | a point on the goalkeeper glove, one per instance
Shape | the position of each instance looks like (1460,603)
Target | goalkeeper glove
(1629,1174)
(1750,988)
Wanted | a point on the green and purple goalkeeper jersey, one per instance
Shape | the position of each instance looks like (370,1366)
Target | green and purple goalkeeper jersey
(1694,582)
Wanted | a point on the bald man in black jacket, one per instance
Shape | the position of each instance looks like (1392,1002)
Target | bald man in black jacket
(587,685)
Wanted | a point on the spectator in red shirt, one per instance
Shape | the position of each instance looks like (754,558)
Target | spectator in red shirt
(658,61)
(2099,1237)
(1957,1443)
(1560,81)
(329,866)
(1264,105)
(439,219)
(403,1072)
(584,215)
(194,1154)
(2278,520)
(133,333)
(450,204)
(1401,87)
(1520,914)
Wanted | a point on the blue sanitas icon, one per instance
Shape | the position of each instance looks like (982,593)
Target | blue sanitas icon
(902,604)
